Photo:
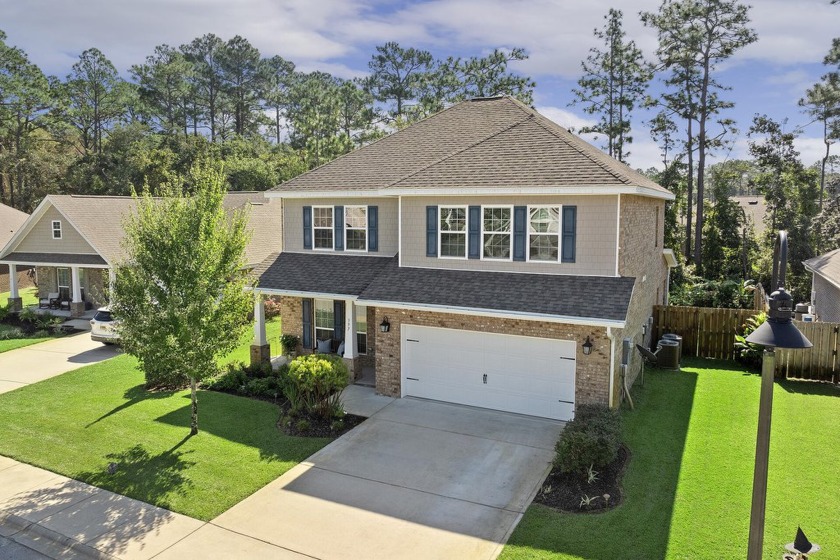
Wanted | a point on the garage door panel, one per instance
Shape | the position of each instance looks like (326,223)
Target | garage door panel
(526,375)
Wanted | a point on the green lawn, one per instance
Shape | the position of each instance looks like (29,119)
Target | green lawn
(77,423)
(243,353)
(29,296)
(689,483)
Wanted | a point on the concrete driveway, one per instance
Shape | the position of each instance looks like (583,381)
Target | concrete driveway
(417,480)
(31,364)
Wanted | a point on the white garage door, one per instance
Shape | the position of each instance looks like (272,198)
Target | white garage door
(521,374)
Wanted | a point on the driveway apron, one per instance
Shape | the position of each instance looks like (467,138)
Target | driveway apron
(417,480)
(31,364)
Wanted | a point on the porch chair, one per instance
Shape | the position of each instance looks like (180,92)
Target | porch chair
(49,302)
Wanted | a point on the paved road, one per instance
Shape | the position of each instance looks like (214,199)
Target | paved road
(31,364)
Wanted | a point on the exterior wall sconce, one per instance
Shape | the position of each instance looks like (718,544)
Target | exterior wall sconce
(385,326)
(587,346)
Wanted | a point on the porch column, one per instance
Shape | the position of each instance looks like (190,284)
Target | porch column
(15,301)
(77,306)
(112,279)
(350,347)
(260,349)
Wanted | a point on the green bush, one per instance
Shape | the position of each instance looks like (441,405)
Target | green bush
(231,381)
(46,320)
(592,439)
(4,312)
(11,333)
(266,387)
(313,384)
(28,315)
(290,343)
(272,308)
(745,352)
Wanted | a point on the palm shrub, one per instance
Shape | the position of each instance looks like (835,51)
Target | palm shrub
(748,353)
(591,440)
(313,385)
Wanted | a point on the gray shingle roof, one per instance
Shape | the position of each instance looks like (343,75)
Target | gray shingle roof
(10,220)
(55,258)
(488,143)
(827,265)
(379,279)
(100,219)
(324,273)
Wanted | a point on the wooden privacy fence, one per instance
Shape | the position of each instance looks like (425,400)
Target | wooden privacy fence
(709,332)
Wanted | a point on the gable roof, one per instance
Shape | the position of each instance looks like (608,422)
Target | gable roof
(100,220)
(827,266)
(483,144)
(11,220)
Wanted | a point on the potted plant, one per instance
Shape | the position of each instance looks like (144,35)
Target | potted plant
(290,344)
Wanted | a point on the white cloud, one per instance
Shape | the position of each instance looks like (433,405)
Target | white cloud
(565,118)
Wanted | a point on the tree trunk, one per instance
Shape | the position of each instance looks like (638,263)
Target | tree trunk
(701,175)
(689,192)
(194,415)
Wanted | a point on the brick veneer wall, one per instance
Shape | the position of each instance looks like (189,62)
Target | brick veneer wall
(592,379)
(641,234)
(47,281)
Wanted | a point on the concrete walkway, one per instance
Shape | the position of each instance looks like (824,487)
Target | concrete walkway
(43,360)
(417,480)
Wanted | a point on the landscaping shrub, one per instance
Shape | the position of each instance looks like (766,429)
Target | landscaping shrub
(46,320)
(592,439)
(231,381)
(745,352)
(266,387)
(313,383)
(251,381)
(290,343)
(10,333)
(4,312)
(272,308)
(28,315)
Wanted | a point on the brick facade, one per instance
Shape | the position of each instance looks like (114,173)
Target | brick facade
(592,373)
(641,234)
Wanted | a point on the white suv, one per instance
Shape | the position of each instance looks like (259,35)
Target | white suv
(103,327)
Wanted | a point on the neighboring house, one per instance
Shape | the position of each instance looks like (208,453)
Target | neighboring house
(75,241)
(476,257)
(11,220)
(755,208)
(825,286)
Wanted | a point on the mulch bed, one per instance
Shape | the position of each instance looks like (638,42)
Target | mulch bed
(564,491)
(318,427)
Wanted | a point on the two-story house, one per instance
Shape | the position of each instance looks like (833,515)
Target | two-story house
(483,256)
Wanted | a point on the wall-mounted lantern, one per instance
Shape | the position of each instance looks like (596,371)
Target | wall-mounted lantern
(587,346)
(385,326)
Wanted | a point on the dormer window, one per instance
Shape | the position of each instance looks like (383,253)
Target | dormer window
(56,229)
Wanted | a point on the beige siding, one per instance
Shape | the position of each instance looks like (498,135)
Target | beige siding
(388,221)
(40,240)
(826,300)
(596,233)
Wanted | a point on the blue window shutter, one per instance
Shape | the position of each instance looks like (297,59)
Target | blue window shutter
(338,320)
(569,233)
(474,228)
(306,335)
(520,226)
(431,230)
(373,228)
(338,222)
(307,227)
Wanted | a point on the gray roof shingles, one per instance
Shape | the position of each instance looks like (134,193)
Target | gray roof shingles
(379,279)
(489,143)
(10,221)
(56,258)
(827,265)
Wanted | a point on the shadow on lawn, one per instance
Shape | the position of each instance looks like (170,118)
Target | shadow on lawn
(640,527)
(810,387)
(134,395)
(143,476)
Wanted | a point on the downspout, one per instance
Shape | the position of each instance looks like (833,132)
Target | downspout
(611,338)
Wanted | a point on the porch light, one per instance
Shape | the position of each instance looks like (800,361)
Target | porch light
(385,326)
(587,346)
(778,331)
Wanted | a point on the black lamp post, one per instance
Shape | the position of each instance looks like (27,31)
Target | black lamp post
(778,331)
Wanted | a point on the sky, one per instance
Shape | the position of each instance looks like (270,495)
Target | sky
(339,36)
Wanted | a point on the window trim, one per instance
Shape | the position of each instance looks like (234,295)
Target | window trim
(362,229)
(331,228)
(358,332)
(59,230)
(559,233)
(510,233)
(466,210)
(315,326)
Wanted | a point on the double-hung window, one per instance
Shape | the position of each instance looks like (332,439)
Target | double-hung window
(56,229)
(361,329)
(496,232)
(355,228)
(453,231)
(322,227)
(324,319)
(544,233)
